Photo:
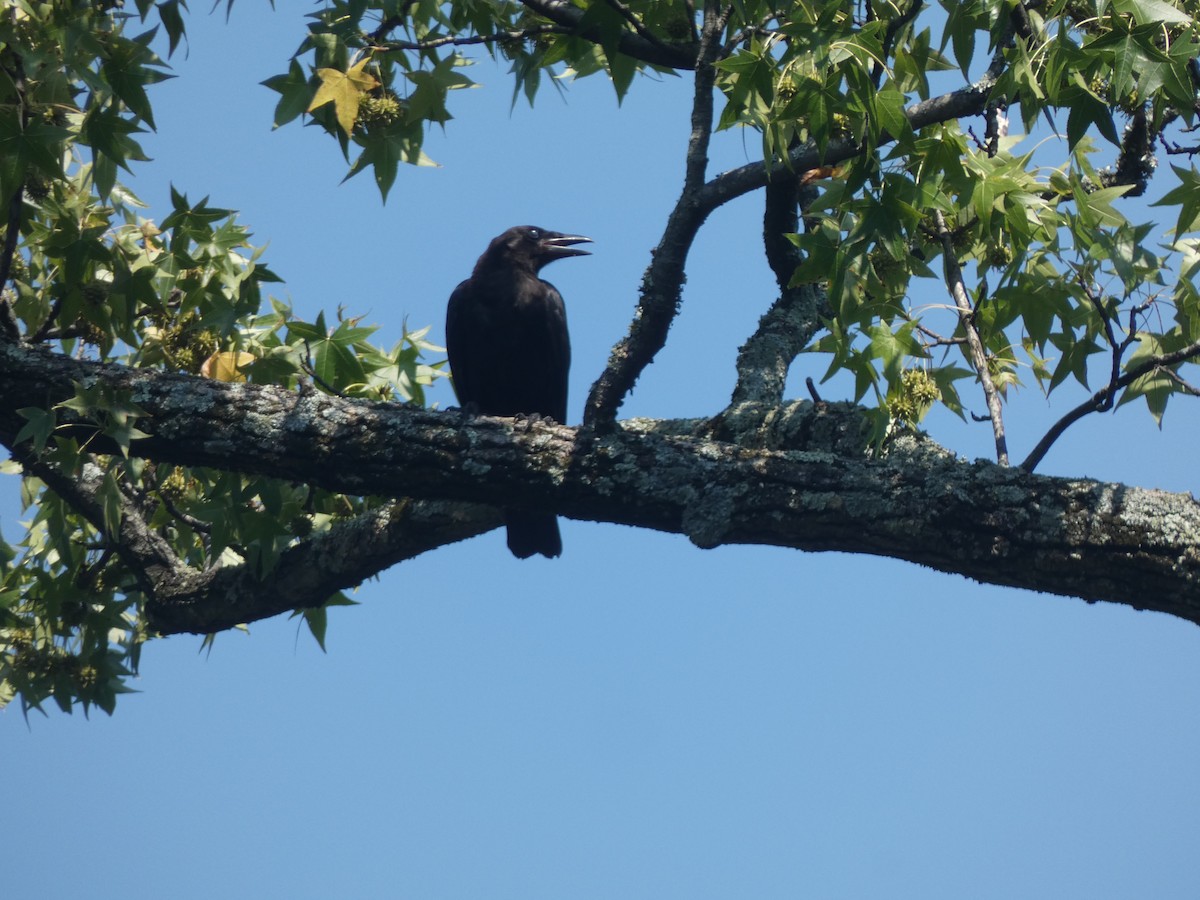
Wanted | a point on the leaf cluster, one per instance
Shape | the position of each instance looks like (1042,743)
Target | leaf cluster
(376,76)
(90,274)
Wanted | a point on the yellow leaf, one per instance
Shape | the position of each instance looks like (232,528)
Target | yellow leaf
(226,365)
(344,90)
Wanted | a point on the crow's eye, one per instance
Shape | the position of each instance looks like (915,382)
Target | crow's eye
(534,234)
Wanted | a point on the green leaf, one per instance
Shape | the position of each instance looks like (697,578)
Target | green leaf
(296,94)
(39,426)
(1086,110)
(1186,196)
(317,617)
(129,66)
(172,19)
(1152,12)
(894,348)
(1155,386)
(889,106)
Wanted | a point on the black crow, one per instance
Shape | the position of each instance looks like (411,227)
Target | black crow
(506,335)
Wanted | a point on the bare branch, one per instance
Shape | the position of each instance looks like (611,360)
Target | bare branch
(966,315)
(1185,387)
(309,573)
(662,284)
(496,37)
(1103,398)
(935,339)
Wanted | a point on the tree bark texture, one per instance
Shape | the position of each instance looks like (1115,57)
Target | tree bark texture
(795,476)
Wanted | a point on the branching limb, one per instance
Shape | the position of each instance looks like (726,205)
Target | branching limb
(1103,399)
(968,101)
(181,598)
(147,555)
(309,573)
(1118,347)
(662,285)
(966,315)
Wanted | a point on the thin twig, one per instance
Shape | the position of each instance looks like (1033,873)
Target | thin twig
(1118,347)
(309,369)
(458,41)
(966,315)
(394,21)
(937,340)
(197,525)
(629,16)
(1185,386)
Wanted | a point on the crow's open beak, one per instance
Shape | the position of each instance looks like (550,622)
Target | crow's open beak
(562,245)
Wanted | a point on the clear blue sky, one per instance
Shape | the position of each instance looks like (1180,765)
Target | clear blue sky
(639,719)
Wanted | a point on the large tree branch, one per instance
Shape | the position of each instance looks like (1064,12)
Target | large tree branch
(182,598)
(309,573)
(795,476)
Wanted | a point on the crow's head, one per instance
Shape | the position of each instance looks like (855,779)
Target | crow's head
(532,248)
